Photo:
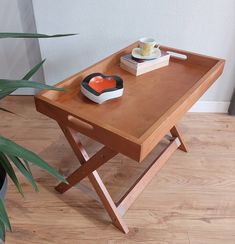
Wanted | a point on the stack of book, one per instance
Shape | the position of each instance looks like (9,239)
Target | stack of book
(140,66)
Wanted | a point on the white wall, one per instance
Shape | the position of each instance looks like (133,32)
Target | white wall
(104,26)
(18,56)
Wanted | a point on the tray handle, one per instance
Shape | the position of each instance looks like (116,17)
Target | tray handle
(80,123)
(177,55)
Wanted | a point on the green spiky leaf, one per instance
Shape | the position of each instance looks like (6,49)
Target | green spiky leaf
(24,171)
(11,148)
(10,171)
(14,84)
(7,92)
(6,110)
(30,35)
(33,70)
(3,215)
(2,231)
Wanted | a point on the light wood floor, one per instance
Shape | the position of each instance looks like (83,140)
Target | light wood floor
(191,200)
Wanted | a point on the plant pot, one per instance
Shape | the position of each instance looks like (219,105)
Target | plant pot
(3,182)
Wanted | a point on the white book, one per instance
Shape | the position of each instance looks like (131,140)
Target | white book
(134,63)
(143,70)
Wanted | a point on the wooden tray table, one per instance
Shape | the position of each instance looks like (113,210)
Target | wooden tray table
(134,124)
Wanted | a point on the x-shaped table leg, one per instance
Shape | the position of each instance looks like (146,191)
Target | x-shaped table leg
(88,168)
(89,165)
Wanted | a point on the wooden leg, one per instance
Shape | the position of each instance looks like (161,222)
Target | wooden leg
(130,196)
(107,202)
(103,156)
(86,168)
(175,133)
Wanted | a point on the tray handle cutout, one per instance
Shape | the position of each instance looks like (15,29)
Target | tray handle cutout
(81,124)
(177,55)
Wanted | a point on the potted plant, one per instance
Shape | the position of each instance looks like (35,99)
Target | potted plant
(12,153)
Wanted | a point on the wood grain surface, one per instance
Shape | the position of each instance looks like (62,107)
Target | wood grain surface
(191,200)
(151,105)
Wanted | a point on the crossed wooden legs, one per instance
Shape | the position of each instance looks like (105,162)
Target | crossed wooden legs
(99,158)
(88,169)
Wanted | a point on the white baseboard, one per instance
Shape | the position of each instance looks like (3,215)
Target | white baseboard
(210,107)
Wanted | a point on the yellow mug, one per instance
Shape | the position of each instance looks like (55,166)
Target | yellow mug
(146,46)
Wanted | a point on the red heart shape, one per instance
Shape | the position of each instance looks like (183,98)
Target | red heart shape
(100,88)
(99,83)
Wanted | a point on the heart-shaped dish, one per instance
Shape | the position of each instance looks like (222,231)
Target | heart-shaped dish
(100,88)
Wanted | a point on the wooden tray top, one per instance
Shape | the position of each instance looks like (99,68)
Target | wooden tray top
(151,105)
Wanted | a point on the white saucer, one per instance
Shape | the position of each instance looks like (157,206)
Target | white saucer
(155,54)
